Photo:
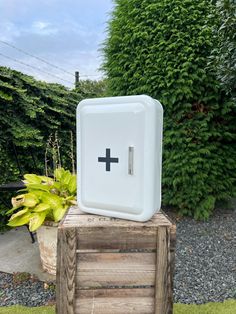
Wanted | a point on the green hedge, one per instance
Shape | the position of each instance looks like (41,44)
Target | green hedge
(92,89)
(161,48)
(225,53)
(31,111)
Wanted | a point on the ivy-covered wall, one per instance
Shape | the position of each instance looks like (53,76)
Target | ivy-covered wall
(161,48)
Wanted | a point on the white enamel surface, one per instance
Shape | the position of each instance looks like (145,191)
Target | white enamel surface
(131,128)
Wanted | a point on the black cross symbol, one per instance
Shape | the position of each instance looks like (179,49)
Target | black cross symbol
(108,160)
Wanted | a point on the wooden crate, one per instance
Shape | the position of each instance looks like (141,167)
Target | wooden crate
(107,265)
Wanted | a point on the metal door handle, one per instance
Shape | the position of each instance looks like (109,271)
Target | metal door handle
(131,160)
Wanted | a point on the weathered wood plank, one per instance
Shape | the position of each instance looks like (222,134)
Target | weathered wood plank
(88,220)
(171,266)
(115,301)
(116,238)
(162,288)
(66,271)
(100,270)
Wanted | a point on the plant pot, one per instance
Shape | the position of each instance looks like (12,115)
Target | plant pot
(47,240)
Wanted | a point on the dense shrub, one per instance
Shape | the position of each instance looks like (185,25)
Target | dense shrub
(92,89)
(161,48)
(226,49)
(31,111)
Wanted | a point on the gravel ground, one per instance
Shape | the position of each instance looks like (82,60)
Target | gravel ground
(205,269)
(23,289)
(205,265)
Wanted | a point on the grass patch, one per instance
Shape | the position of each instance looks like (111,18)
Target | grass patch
(27,310)
(227,307)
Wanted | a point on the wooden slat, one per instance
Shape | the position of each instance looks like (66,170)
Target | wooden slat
(66,271)
(88,220)
(162,289)
(116,238)
(100,270)
(171,266)
(115,301)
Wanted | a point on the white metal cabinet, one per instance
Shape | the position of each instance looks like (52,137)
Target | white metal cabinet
(119,150)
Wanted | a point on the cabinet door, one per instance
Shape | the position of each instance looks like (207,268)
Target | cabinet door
(117,152)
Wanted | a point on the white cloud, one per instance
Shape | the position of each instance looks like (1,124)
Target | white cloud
(43,28)
(40,25)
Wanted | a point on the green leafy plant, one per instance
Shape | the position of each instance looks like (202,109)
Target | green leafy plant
(162,48)
(45,198)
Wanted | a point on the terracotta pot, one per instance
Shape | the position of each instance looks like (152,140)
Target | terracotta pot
(47,240)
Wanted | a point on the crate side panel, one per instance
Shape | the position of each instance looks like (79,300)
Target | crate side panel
(100,270)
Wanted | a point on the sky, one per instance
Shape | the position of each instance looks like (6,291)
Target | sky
(66,33)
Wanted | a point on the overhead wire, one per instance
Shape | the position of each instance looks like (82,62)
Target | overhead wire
(36,68)
(44,61)
(33,56)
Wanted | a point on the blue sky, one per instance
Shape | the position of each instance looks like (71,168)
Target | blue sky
(66,33)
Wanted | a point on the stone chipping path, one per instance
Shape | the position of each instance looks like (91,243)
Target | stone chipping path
(205,265)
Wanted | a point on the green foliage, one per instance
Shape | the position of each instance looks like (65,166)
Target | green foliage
(4,206)
(92,89)
(30,112)
(161,48)
(225,53)
(46,199)
(3,218)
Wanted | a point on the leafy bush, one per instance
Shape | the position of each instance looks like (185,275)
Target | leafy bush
(161,48)
(92,89)
(31,111)
(226,49)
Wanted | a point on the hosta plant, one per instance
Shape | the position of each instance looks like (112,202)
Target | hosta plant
(44,198)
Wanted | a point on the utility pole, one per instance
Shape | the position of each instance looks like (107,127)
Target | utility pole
(76,79)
